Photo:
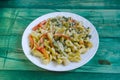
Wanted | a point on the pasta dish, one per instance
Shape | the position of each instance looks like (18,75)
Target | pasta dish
(59,39)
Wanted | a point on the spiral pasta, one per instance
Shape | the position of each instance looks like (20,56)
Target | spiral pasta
(59,39)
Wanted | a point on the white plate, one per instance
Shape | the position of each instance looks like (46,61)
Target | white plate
(52,66)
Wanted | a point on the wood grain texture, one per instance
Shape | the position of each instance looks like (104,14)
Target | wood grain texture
(13,22)
(15,15)
(36,75)
(68,4)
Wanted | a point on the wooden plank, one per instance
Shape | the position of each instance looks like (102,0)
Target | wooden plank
(69,4)
(1,63)
(3,50)
(37,75)
(105,21)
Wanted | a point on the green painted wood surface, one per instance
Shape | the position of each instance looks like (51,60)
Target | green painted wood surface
(14,18)
(79,4)
(36,75)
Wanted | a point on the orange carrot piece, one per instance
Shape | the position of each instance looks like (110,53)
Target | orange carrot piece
(31,41)
(39,25)
(41,40)
(35,28)
(43,51)
(42,37)
(43,22)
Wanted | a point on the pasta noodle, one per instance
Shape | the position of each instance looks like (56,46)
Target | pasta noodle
(59,39)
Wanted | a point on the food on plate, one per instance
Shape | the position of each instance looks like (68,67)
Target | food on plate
(60,39)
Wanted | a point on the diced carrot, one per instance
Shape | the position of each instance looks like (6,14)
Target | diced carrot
(39,48)
(39,25)
(42,37)
(43,51)
(35,28)
(62,35)
(31,41)
(73,20)
(45,34)
(41,40)
(43,22)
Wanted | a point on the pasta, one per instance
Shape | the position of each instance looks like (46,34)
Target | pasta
(59,39)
